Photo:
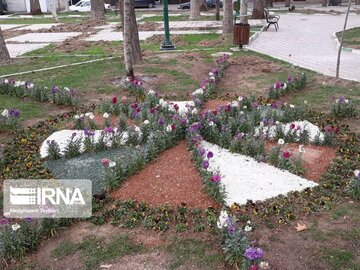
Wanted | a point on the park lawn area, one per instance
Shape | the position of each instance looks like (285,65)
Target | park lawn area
(351,38)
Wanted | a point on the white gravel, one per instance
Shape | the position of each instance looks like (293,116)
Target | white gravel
(246,179)
(62,138)
(311,128)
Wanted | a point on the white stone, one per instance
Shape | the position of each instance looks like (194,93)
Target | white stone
(39,26)
(43,37)
(246,179)
(20,49)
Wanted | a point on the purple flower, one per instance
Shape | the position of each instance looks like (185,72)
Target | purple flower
(14,113)
(202,151)
(289,79)
(194,127)
(216,178)
(4,221)
(342,99)
(254,253)
(28,220)
(88,133)
(231,229)
(54,89)
(210,154)
(160,121)
(205,164)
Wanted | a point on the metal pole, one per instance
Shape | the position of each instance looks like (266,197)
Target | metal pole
(167,45)
(238,8)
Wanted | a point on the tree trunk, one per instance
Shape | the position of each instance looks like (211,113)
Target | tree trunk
(258,10)
(269,3)
(121,9)
(132,52)
(324,3)
(53,7)
(4,53)
(218,10)
(357,2)
(35,8)
(66,5)
(287,3)
(243,11)
(228,21)
(203,6)
(194,9)
(97,9)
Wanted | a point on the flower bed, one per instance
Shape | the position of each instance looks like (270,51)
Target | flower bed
(21,89)
(9,119)
(293,84)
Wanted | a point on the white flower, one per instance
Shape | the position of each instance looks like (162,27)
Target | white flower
(88,114)
(264,266)
(77,116)
(15,227)
(194,111)
(91,116)
(248,222)
(22,83)
(346,101)
(168,128)
(337,101)
(305,101)
(268,104)
(161,100)
(165,104)
(81,115)
(211,74)
(292,106)
(106,115)
(248,228)
(211,123)
(199,91)
(277,122)
(222,219)
(5,113)
(234,104)
(146,122)
(17,84)
(67,89)
(301,148)
(30,86)
(127,79)
(241,112)
(112,164)
(357,173)
(281,142)
(137,129)
(240,98)
(212,78)
(151,92)
(6,81)
(245,107)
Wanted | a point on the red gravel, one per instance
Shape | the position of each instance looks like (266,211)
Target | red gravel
(171,179)
(316,158)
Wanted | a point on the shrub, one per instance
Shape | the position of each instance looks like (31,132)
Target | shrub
(343,107)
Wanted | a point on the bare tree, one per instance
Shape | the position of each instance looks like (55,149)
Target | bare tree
(287,3)
(66,5)
(258,10)
(269,3)
(97,9)
(53,8)
(4,53)
(194,9)
(228,24)
(132,52)
(243,12)
(341,41)
(35,8)
(217,10)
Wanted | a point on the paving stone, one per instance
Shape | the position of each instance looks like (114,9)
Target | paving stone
(43,37)
(20,49)
(10,26)
(305,41)
(35,27)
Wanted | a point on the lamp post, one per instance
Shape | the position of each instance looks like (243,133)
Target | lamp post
(167,45)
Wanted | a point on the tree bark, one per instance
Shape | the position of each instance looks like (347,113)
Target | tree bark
(324,3)
(35,8)
(121,8)
(287,3)
(97,9)
(243,12)
(228,21)
(132,52)
(66,5)
(258,10)
(357,2)
(194,9)
(53,8)
(218,10)
(4,53)
(269,3)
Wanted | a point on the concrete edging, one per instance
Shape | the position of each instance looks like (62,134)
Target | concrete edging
(336,43)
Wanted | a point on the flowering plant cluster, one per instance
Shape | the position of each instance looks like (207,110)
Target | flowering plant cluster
(9,119)
(239,250)
(135,87)
(343,107)
(56,95)
(292,84)
(354,186)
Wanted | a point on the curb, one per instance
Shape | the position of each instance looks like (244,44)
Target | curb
(336,43)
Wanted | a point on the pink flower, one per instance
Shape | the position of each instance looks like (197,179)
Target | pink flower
(253,267)
(292,126)
(216,178)
(286,154)
(105,162)
(124,99)
(114,100)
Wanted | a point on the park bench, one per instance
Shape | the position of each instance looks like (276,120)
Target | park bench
(271,19)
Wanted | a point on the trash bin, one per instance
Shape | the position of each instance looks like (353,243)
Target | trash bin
(241,34)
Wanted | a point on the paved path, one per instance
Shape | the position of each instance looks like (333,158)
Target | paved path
(305,40)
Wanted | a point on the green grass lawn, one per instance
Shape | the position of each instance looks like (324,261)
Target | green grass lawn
(351,38)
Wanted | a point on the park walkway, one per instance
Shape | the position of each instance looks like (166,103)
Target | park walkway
(305,41)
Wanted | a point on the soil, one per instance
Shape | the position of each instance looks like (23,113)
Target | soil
(213,104)
(316,158)
(171,179)
(238,80)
